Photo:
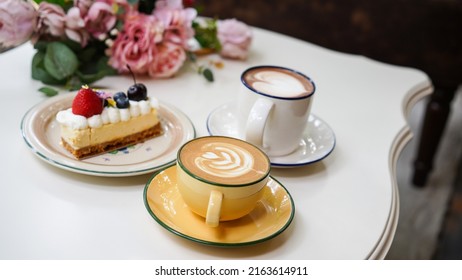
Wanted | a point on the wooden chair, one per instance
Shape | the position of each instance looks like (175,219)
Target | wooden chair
(425,34)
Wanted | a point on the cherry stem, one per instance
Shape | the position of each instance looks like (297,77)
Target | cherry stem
(131,72)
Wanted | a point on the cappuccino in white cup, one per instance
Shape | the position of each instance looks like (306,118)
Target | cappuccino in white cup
(273,108)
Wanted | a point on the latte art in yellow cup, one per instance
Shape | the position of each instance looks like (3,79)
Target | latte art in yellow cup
(221,178)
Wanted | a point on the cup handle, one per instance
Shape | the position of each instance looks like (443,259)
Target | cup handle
(214,208)
(256,121)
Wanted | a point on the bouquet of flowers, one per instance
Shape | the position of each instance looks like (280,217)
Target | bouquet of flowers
(81,41)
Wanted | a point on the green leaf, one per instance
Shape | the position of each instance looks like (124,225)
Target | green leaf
(99,70)
(74,83)
(41,46)
(73,45)
(206,35)
(48,91)
(39,73)
(103,65)
(60,61)
(90,78)
(37,60)
(208,74)
(87,55)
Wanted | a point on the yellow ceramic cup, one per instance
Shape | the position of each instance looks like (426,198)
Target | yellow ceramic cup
(221,178)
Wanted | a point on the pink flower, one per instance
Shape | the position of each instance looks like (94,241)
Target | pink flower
(51,20)
(235,38)
(75,26)
(17,22)
(83,5)
(177,21)
(142,46)
(120,8)
(169,59)
(169,4)
(100,19)
(136,44)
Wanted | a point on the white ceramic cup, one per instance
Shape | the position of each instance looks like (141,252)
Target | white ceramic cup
(221,178)
(274,104)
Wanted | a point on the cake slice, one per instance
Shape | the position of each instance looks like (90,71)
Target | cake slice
(99,122)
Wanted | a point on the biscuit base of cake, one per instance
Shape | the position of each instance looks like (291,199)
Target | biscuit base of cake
(115,144)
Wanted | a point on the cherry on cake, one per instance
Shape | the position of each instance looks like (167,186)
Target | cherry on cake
(100,122)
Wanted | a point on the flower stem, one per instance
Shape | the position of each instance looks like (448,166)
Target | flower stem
(200,69)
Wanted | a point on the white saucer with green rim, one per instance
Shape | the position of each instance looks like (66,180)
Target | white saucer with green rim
(41,133)
(272,215)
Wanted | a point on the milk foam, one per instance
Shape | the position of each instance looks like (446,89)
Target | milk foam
(109,115)
(225,160)
(278,82)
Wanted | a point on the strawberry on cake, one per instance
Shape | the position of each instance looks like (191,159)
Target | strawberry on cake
(99,122)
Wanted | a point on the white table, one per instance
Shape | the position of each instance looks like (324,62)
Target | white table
(346,205)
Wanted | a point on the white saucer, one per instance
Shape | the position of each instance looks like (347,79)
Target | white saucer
(41,132)
(317,143)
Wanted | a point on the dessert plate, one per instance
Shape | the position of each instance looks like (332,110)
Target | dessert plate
(41,132)
(317,143)
(272,215)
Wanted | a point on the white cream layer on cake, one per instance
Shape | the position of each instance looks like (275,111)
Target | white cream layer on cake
(113,123)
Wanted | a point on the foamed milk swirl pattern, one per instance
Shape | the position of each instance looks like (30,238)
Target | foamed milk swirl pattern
(225,160)
(278,82)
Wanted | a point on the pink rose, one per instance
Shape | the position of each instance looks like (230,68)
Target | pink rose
(168,60)
(135,45)
(75,27)
(100,19)
(176,20)
(51,20)
(235,38)
(153,44)
(17,22)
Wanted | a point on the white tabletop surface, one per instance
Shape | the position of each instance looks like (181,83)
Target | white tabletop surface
(346,205)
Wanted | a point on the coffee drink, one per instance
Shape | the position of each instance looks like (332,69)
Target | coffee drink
(273,107)
(224,160)
(278,82)
(221,178)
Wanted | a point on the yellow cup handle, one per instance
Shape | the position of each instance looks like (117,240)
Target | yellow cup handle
(214,208)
